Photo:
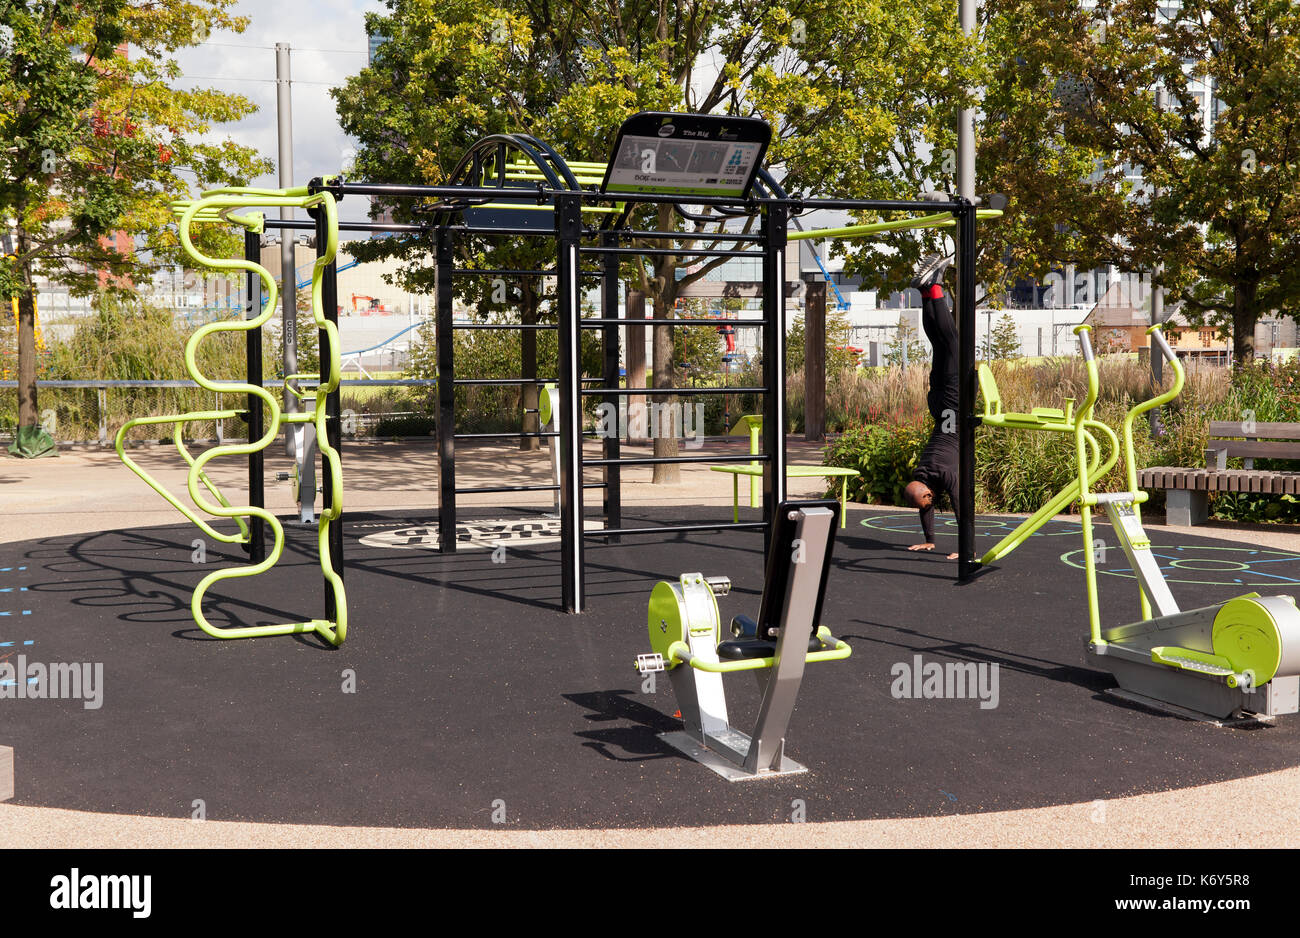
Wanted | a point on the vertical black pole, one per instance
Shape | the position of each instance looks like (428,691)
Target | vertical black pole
(446,396)
(774,243)
(256,424)
(612,442)
(568,231)
(966,422)
(329,297)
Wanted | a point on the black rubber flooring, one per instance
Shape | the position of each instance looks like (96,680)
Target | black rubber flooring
(476,699)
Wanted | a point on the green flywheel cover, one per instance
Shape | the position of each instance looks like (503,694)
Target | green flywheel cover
(665,620)
(545,405)
(1245,633)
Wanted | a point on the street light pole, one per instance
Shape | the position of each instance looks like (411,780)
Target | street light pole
(288,273)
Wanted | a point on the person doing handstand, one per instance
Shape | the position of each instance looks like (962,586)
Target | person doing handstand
(936,470)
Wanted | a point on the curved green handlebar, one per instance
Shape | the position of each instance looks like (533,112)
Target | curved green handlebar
(1176,388)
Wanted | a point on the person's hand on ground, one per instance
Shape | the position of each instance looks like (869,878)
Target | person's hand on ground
(952,556)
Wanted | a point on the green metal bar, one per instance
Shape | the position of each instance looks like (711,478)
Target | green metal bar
(1085,500)
(938,220)
(1058,503)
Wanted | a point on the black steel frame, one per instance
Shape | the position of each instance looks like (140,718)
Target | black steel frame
(771,206)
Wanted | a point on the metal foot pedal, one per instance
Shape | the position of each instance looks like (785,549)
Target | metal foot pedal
(649,664)
(1190,660)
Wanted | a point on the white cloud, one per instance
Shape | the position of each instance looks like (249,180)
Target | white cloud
(327,39)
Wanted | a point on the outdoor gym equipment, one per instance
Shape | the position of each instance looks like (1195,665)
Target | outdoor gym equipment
(1235,658)
(685,631)
(1049,420)
(220,206)
(709,169)
(548,416)
(752,424)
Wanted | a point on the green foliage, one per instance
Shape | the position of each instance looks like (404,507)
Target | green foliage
(132,341)
(94,141)
(408,425)
(1004,340)
(851,90)
(884,453)
(1072,119)
(839,334)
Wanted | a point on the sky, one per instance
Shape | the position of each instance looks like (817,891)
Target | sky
(327,39)
(328,43)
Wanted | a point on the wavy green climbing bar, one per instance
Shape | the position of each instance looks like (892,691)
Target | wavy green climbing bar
(220,206)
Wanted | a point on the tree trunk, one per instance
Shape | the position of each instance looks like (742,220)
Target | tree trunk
(814,362)
(27,410)
(666,428)
(665,441)
(1245,315)
(528,366)
(635,360)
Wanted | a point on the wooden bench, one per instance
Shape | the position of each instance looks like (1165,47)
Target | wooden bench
(1187,490)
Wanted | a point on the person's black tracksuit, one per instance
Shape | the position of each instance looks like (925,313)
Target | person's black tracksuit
(937,467)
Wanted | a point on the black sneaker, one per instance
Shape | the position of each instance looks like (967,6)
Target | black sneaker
(931,270)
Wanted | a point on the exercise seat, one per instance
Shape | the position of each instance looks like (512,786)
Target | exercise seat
(743,649)
(1038,418)
(747,644)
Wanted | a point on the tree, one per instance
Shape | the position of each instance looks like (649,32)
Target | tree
(840,356)
(905,339)
(1083,100)
(827,76)
(1004,340)
(92,143)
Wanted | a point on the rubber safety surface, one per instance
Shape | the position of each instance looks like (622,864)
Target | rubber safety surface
(463,697)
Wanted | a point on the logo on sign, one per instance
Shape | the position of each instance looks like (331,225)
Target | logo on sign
(667,130)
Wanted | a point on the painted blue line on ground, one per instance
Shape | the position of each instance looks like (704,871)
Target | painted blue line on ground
(25,612)
(10,589)
(11,569)
(11,644)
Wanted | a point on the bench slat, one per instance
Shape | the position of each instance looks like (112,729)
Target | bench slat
(1263,431)
(1255,449)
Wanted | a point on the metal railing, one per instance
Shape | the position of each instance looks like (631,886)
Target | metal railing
(103,385)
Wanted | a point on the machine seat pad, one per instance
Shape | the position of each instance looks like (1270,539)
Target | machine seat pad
(741,649)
